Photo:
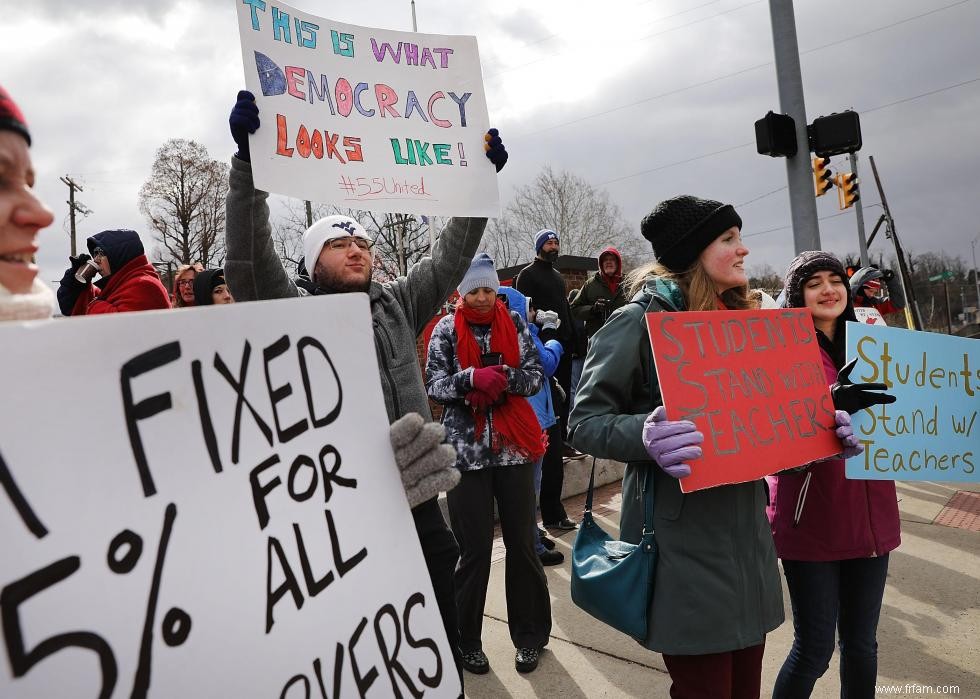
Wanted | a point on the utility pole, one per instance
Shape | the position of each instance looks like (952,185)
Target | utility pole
(859,213)
(74,206)
(912,317)
(789,79)
(309,214)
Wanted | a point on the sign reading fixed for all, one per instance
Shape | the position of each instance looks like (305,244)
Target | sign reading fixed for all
(754,384)
(366,118)
(931,432)
(205,504)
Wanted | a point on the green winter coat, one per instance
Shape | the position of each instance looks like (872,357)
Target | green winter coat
(717,585)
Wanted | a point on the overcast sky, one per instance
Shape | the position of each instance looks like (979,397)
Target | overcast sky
(647,99)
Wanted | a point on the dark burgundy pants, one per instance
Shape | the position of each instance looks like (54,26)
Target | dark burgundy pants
(736,674)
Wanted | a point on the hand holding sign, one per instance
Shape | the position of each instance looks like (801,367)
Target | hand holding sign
(428,466)
(671,443)
(845,433)
(244,120)
(852,397)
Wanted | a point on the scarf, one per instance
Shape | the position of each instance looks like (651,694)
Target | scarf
(36,304)
(513,420)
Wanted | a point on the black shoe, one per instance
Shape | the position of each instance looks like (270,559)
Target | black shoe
(547,543)
(570,452)
(526,659)
(551,558)
(475,661)
(565,524)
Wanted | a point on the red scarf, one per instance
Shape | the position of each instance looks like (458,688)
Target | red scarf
(513,420)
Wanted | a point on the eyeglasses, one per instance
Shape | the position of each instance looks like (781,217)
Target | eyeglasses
(98,252)
(345,243)
(185,282)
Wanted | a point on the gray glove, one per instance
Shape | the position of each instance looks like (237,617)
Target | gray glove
(427,465)
(548,320)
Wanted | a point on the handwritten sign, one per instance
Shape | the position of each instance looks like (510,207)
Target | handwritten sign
(931,432)
(366,118)
(869,315)
(205,504)
(754,384)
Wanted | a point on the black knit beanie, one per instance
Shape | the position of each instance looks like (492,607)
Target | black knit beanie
(679,229)
(804,266)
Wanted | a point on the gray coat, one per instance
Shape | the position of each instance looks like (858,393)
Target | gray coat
(717,585)
(400,308)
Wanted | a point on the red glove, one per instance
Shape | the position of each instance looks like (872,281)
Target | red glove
(479,400)
(491,380)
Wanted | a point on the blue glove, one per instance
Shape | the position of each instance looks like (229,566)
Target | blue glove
(244,120)
(495,149)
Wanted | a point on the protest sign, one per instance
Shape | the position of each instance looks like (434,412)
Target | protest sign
(931,431)
(366,118)
(869,315)
(754,384)
(205,503)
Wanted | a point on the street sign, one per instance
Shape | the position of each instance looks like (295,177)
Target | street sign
(945,276)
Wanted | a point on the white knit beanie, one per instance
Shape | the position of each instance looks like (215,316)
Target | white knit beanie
(325,230)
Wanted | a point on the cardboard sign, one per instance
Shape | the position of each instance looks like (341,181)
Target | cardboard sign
(204,503)
(754,384)
(869,316)
(931,432)
(366,118)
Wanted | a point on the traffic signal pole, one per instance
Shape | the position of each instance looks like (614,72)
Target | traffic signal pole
(789,79)
(859,214)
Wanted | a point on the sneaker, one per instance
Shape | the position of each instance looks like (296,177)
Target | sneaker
(475,661)
(526,659)
(551,558)
(565,525)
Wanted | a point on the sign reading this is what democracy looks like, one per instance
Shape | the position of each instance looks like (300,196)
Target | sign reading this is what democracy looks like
(366,118)
(205,504)
(931,431)
(754,384)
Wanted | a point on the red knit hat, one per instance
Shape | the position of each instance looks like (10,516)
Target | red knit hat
(11,117)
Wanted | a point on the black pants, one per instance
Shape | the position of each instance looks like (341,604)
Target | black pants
(552,478)
(441,555)
(471,515)
(563,375)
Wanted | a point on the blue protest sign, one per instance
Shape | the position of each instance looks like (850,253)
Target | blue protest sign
(931,432)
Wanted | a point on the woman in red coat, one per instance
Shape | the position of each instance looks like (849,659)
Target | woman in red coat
(832,534)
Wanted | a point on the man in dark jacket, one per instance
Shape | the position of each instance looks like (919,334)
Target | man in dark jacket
(546,288)
(128,283)
(338,255)
(602,293)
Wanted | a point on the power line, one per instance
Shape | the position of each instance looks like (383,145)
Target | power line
(736,73)
(762,196)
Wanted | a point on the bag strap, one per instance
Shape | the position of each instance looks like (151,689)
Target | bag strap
(647,499)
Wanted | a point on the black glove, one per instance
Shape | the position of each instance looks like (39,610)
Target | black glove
(896,294)
(852,397)
(77,262)
(600,307)
(495,149)
(244,120)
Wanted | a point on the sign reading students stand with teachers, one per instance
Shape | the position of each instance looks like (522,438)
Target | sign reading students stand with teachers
(205,504)
(754,384)
(931,431)
(366,118)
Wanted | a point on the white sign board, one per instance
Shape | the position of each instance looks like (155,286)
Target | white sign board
(204,503)
(366,118)
(868,315)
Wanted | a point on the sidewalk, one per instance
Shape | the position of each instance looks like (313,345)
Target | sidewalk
(927,637)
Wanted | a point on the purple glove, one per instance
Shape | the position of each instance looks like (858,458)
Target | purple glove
(845,433)
(671,442)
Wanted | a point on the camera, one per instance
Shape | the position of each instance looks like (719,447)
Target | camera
(491,359)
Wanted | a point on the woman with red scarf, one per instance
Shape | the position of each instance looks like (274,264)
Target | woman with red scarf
(481,365)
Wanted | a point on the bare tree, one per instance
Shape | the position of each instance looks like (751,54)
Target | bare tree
(584,217)
(184,202)
(763,276)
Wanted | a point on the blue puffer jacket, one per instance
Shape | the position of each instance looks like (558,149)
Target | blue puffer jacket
(550,352)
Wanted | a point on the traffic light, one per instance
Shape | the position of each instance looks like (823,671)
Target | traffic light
(835,134)
(823,178)
(847,190)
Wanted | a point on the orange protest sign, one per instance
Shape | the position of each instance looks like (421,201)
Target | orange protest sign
(754,384)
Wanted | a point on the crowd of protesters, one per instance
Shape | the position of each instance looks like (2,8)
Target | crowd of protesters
(501,366)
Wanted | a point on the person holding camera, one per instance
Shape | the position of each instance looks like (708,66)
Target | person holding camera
(877,288)
(129,282)
(602,293)
(481,365)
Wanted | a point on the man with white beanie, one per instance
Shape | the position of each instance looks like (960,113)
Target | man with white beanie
(338,254)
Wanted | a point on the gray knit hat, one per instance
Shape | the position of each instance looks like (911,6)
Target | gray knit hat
(481,274)
(804,266)
(679,229)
